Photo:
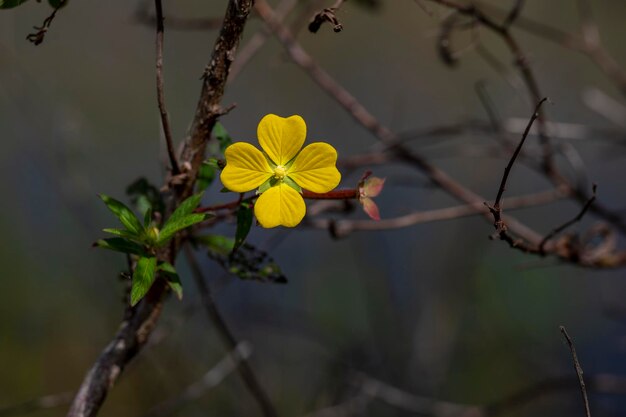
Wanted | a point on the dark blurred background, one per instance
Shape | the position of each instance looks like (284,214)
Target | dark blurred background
(437,310)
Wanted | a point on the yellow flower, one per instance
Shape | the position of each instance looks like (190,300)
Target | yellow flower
(280,170)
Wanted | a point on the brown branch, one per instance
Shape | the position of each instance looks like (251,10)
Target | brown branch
(327,15)
(578,369)
(496,209)
(215,76)
(141,320)
(568,223)
(165,121)
(245,370)
(130,338)
(508,167)
(39,36)
(344,227)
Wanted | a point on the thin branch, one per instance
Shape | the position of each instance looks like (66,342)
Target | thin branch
(344,227)
(578,369)
(514,13)
(39,36)
(496,210)
(327,15)
(165,121)
(570,222)
(143,16)
(245,370)
(211,379)
(507,169)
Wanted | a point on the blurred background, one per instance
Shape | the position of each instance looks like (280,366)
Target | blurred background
(436,310)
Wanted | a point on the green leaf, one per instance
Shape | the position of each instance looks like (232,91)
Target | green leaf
(186,208)
(248,262)
(119,244)
(292,184)
(174,226)
(206,175)
(169,273)
(222,136)
(124,214)
(8,4)
(143,278)
(244,222)
(122,233)
(265,186)
(147,217)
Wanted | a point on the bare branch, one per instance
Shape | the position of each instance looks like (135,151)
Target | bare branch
(568,223)
(165,121)
(578,369)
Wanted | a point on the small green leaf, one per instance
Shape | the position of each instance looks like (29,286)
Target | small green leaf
(186,208)
(244,222)
(206,175)
(147,217)
(222,136)
(172,227)
(292,184)
(122,233)
(121,245)
(169,273)
(124,214)
(8,4)
(265,186)
(143,278)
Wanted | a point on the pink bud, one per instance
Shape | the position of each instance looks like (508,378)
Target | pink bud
(372,186)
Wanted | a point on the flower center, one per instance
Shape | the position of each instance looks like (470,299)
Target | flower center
(279,172)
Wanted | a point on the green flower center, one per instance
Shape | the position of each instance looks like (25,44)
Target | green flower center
(280,172)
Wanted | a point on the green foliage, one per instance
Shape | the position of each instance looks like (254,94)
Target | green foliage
(143,240)
(143,278)
(124,214)
(119,244)
(182,218)
(168,272)
(248,262)
(8,4)
(244,223)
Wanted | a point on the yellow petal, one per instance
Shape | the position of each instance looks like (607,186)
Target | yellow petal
(246,168)
(280,205)
(281,138)
(314,168)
